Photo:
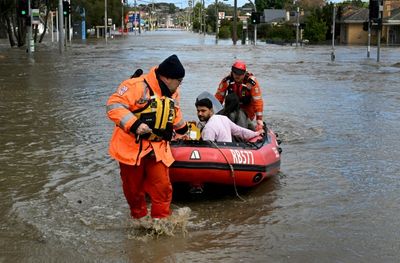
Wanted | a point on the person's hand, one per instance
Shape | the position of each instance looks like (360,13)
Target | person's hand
(143,129)
(260,125)
(181,137)
(261,132)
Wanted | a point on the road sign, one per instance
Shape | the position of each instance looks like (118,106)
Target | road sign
(35,17)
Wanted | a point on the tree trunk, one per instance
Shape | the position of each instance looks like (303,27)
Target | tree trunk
(9,31)
(35,30)
(21,32)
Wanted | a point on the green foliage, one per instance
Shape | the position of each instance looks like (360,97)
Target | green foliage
(285,33)
(356,3)
(224,32)
(262,30)
(95,11)
(272,4)
(171,8)
(239,30)
(316,27)
(260,4)
(196,16)
(211,18)
(196,26)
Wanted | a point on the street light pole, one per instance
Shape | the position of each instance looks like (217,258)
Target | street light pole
(255,29)
(60,26)
(369,38)
(234,35)
(29,38)
(105,19)
(216,22)
(255,25)
(380,17)
(122,17)
(204,17)
(333,33)
(297,25)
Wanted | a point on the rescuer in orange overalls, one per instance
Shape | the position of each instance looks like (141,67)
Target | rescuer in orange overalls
(246,87)
(146,112)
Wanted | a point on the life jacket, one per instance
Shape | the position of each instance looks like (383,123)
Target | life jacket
(194,132)
(243,90)
(159,115)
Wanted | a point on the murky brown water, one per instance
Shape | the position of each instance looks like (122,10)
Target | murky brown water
(337,199)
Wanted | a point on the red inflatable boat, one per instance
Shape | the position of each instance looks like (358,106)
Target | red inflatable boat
(239,164)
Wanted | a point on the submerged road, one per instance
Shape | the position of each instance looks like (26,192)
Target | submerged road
(337,198)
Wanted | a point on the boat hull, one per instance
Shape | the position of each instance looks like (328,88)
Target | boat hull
(240,164)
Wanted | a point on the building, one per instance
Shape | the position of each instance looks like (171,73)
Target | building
(353,31)
(275,15)
(351,27)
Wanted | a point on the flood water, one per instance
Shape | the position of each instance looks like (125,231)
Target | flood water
(337,198)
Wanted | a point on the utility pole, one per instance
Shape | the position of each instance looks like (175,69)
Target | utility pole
(60,26)
(234,35)
(297,25)
(255,25)
(369,38)
(378,50)
(191,15)
(204,17)
(52,26)
(200,17)
(29,42)
(122,17)
(333,33)
(105,20)
(216,22)
(57,28)
(152,17)
(69,24)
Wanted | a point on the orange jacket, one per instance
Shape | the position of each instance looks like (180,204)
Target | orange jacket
(131,95)
(251,87)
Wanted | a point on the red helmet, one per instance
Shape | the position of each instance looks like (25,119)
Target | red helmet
(239,67)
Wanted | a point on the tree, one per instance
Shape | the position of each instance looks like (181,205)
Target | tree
(94,10)
(271,4)
(6,15)
(14,25)
(356,3)
(309,5)
(284,33)
(316,28)
(197,17)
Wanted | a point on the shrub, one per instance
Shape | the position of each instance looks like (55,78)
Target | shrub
(224,32)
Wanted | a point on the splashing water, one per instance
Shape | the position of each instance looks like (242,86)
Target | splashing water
(147,228)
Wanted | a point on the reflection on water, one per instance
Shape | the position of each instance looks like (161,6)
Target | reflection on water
(335,199)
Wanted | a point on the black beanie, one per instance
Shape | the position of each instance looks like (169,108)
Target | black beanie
(171,68)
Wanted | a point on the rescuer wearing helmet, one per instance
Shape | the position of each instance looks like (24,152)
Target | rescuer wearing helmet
(145,109)
(246,87)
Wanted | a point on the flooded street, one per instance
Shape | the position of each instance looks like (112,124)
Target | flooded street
(337,198)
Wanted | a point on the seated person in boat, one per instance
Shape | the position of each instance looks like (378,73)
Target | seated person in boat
(220,128)
(233,111)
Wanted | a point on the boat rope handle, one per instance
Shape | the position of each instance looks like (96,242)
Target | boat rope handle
(232,171)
